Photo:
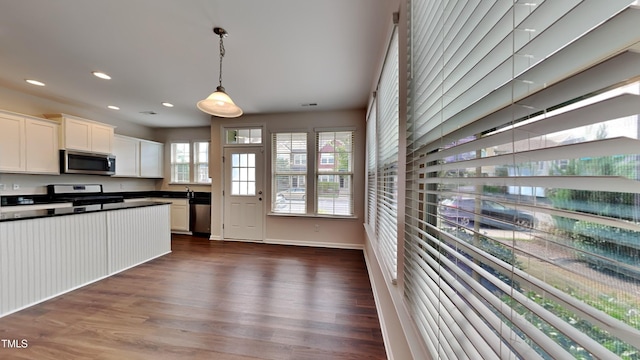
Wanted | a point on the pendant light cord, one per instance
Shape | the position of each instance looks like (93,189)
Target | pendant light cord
(221,56)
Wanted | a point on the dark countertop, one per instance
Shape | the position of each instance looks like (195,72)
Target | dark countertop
(74,210)
(45,199)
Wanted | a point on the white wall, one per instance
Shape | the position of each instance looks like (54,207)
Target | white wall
(36,184)
(344,233)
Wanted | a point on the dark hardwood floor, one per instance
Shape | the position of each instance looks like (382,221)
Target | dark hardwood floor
(211,300)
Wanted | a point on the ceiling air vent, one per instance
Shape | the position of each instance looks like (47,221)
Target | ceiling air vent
(149,112)
(309,104)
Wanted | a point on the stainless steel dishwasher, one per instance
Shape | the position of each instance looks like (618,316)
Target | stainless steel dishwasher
(200,215)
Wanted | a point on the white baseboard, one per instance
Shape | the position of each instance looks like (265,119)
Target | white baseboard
(215,237)
(331,245)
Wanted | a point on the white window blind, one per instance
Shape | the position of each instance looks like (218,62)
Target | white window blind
(334,179)
(387,159)
(289,166)
(371,167)
(522,235)
(190,162)
(201,162)
(180,162)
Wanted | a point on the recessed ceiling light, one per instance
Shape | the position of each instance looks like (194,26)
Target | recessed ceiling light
(167,104)
(34,82)
(112,107)
(101,75)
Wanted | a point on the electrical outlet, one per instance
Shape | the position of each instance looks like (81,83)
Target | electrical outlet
(16,186)
(3,187)
(317,228)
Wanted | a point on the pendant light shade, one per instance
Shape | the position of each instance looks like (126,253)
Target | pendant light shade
(219,103)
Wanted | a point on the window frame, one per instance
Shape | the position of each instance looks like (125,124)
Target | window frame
(193,163)
(342,175)
(311,175)
(279,200)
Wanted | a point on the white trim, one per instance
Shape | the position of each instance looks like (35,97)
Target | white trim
(406,323)
(332,245)
(376,299)
(215,237)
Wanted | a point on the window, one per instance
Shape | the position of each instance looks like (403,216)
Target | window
(201,152)
(182,166)
(522,213)
(333,193)
(289,169)
(334,188)
(299,159)
(386,161)
(180,162)
(244,136)
(326,159)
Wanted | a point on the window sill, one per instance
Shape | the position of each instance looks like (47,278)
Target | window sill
(315,216)
(189,183)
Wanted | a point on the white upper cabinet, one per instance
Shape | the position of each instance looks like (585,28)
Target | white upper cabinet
(102,138)
(138,157)
(41,140)
(151,159)
(126,149)
(28,144)
(12,153)
(84,135)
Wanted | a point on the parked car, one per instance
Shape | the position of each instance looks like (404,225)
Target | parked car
(461,211)
(292,194)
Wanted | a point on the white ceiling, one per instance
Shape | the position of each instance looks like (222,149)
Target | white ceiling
(280,54)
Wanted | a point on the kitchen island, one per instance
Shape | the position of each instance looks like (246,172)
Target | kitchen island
(45,253)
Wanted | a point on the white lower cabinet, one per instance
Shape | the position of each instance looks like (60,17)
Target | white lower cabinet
(179,214)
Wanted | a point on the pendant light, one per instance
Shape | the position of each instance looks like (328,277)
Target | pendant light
(219,103)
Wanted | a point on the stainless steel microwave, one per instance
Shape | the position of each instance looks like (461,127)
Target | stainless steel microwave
(77,162)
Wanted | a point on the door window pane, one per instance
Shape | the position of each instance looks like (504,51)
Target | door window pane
(243,174)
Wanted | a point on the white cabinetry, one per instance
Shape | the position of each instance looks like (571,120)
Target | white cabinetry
(12,153)
(84,135)
(179,214)
(41,140)
(28,144)
(137,157)
(151,159)
(127,152)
